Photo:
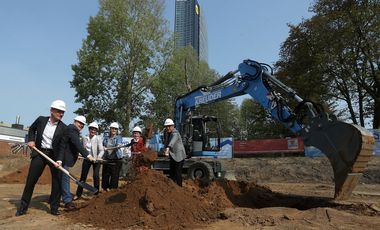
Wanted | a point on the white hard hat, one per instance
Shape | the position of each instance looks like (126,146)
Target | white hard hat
(137,129)
(114,125)
(93,124)
(168,122)
(81,119)
(58,104)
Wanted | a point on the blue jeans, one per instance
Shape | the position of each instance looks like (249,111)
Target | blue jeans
(66,194)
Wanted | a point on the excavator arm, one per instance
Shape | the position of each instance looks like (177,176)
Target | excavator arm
(348,147)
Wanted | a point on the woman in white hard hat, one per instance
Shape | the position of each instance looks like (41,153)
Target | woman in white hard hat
(69,150)
(137,147)
(110,172)
(138,141)
(175,150)
(94,145)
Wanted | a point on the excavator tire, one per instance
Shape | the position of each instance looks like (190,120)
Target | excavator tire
(349,148)
(200,171)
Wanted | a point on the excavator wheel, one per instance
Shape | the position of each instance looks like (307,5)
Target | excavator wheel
(349,148)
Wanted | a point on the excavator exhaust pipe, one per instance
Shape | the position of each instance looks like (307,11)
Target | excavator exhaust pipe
(348,147)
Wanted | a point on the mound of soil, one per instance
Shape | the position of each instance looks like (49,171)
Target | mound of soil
(152,200)
(5,148)
(19,176)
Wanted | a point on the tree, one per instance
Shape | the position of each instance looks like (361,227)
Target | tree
(339,48)
(126,46)
(256,123)
(184,73)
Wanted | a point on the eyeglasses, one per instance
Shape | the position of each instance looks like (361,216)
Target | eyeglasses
(58,111)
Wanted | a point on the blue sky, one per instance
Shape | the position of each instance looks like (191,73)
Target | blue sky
(39,40)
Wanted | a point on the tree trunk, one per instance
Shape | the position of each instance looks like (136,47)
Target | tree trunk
(376,114)
(361,110)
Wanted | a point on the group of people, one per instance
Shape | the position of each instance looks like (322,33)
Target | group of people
(63,144)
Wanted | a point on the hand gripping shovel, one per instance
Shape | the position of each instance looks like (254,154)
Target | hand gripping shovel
(78,182)
(104,162)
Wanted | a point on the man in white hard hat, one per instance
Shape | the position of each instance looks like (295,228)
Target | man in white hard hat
(45,134)
(175,150)
(70,146)
(94,145)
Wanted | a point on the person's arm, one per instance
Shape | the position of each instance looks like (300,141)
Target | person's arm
(100,147)
(32,133)
(62,147)
(119,142)
(174,138)
(85,141)
(75,141)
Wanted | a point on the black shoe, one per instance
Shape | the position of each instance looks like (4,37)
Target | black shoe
(70,206)
(55,212)
(20,212)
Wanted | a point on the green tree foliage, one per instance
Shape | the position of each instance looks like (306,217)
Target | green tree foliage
(334,57)
(256,123)
(184,73)
(126,45)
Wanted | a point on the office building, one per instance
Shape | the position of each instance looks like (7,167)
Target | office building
(190,27)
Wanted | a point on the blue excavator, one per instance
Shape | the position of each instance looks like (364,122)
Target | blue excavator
(349,147)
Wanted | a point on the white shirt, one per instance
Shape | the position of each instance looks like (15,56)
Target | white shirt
(47,136)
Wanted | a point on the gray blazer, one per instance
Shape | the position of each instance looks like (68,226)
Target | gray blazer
(176,148)
(94,146)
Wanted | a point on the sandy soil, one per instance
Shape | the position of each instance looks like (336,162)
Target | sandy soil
(268,193)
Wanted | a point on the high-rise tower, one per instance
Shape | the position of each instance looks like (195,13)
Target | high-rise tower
(190,27)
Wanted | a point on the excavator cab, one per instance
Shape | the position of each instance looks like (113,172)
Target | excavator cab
(202,134)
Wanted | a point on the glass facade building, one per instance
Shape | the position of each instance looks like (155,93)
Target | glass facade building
(190,27)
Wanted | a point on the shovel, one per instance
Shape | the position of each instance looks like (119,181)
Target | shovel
(78,182)
(99,161)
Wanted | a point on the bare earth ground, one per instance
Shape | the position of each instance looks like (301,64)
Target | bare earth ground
(268,193)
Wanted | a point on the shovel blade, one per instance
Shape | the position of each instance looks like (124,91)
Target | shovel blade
(86,186)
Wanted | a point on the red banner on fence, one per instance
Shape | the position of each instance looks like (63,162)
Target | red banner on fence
(286,145)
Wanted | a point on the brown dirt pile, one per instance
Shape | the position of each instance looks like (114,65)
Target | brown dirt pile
(19,176)
(16,168)
(5,148)
(152,200)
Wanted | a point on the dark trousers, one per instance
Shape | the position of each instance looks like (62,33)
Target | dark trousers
(110,174)
(36,168)
(175,171)
(83,176)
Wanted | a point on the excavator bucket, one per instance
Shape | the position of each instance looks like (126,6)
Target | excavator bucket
(349,148)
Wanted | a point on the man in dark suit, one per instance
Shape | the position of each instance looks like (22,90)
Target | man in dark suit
(45,134)
(70,146)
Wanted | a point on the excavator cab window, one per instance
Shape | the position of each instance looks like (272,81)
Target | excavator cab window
(211,136)
(205,134)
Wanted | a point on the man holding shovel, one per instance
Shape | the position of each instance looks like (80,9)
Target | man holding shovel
(70,146)
(94,145)
(44,134)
